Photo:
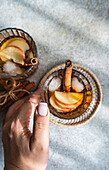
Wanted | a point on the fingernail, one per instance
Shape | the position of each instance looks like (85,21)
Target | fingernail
(42,109)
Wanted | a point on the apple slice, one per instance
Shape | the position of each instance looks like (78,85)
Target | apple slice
(4,45)
(53,104)
(18,42)
(78,103)
(71,107)
(14,53)
(68,98)
(3,58)
(58,106)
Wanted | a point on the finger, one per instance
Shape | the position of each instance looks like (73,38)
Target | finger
(12,109)
(35,97)
(24,113)
(29,106)
(40,136)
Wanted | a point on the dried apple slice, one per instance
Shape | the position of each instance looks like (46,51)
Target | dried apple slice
(14,53)
(18,42)
(53,104)
(68,98)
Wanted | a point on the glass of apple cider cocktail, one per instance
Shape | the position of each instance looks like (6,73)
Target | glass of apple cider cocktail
(18,54)
(72,92)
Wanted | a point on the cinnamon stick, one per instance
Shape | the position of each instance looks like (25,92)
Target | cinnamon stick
(21,86)
(7,83)
(20,94)
(67,76)
(3,92)
(31,61)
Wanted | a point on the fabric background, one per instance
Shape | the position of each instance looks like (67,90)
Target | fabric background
(76,30)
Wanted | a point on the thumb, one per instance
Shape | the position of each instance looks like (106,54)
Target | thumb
(41,127)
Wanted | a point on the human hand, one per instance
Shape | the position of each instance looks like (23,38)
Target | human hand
(23,149)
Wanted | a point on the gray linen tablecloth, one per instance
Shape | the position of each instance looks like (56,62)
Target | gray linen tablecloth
(76,30)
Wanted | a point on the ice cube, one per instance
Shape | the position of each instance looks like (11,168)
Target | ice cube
(12,68)
(76,85)
(55,84)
